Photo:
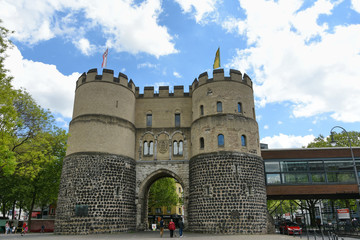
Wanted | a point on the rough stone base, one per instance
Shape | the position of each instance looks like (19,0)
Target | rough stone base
(227,194)
(97,194)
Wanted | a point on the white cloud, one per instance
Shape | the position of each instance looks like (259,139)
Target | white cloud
(266,127)
(62,122)
(355,4)
(287,141)
(85,47)
(50,88)
(296,60)
(126,26)
(159,84)
(280,122)
(202,9)
(177,75)
(146,65)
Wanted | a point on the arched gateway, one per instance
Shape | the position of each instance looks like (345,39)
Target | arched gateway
(147,175)
(122,141)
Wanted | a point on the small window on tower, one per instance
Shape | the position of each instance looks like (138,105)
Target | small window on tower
(201,110)
(151,148)
(243,140)
(202,144)
(148,120)
(177,119)
(146,148)
(221,140)
(181,148)
(239,108)
(219,107)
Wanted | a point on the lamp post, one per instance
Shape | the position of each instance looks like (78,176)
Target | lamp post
(333,143)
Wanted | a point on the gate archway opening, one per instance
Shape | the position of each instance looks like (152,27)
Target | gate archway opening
(150,213)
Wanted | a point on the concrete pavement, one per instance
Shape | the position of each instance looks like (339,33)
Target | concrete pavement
(153,235)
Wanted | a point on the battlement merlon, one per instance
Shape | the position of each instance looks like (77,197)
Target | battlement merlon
(164,91)
(107,76)
(218,75)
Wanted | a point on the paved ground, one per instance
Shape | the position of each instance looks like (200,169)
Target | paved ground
(155,235)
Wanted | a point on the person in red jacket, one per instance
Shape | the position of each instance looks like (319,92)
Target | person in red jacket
(171,228)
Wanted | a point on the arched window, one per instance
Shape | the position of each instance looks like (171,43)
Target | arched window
(202,144)
(181,148)
(219,107)
(151,148)
(201,110)
(220,140)
(239,107)
(176,148)
(243,140)
(146,148)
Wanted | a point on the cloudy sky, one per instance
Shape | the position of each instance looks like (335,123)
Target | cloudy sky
(303,56)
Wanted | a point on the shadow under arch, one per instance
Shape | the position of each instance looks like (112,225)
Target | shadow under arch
(142,222)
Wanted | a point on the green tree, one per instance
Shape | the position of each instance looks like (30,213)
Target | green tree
(31,146)
(8,114)
(162,193)
(340,138)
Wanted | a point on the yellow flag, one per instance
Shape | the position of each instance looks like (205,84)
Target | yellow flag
(217,59)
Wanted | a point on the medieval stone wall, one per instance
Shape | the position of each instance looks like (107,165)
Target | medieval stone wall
(227,193)
(97,194)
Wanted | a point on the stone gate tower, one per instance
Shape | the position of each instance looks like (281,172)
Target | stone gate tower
(122,141)
(227,189)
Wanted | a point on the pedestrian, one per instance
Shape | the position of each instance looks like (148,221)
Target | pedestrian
(161,227)
(7,227)
(181,227)
(24,229)
(171,228)
(42,228)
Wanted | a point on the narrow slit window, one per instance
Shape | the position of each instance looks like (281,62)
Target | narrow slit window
(181,148)
(151,148)
(221,140)
(146,148)
(219,106)
(148,120)
(201,110)
(176,148)
(177,120)
(239,107)
(202,144)
(243,140)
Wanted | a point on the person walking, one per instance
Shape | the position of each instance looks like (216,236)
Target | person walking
(161,227)
(181,227)
(171,228)
(7,228)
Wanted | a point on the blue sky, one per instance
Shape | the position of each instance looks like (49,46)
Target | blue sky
(303,56)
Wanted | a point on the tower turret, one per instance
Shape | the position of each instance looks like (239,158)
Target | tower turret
(97,191)
(227,187)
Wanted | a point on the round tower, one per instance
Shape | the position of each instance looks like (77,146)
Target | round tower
(97,189)
(227,186)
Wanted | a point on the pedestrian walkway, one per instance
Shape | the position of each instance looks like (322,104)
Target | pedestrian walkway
(155,235)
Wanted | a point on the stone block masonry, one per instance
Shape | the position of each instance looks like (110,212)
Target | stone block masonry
(97,194)
(228,193)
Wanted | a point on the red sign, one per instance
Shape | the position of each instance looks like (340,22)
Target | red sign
(343,213)
(34,214)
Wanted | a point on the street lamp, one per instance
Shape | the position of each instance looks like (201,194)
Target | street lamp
(333,143)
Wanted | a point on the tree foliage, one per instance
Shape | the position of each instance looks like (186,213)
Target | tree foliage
(31,146)
(163,193)
(341,139)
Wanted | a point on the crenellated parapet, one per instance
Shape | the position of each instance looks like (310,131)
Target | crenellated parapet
(107,76)
(164,91)
(218,75)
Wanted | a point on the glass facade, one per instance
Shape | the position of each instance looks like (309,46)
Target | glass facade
(324,171)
